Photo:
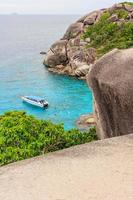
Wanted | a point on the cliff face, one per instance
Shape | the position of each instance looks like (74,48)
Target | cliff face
(111,79)
(84,40)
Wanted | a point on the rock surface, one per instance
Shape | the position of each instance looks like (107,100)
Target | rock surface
(57,54)
(111,79)
(71,52)
(86,121)
(101,170)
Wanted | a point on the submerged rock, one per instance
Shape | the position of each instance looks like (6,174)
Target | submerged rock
(111,80)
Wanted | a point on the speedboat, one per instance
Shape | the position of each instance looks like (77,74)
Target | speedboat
(35,101)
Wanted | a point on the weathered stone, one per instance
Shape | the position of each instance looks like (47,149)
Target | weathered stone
(116,7)
(57,54)
(74,42)
(61,69)
(100,13)
(130,16)
(73,30)
(90,55)
(82,18)
(73,52)
(119,6)
(82,43)
(79,56)
(129,8)
(87,40)
(82,71)
(86,121)
(91,18)
(111,80)
(114,18)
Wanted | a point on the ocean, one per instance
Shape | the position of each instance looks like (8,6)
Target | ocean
(22,72)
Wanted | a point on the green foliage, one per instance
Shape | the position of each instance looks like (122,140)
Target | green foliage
(106,35)
(122,14)
(23,136)
(128,3)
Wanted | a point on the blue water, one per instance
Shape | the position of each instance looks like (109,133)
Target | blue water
(22,71)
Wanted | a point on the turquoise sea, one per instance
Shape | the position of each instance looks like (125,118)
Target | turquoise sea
(22,71)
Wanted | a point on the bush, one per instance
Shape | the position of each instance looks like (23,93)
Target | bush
(23,136)
(128,3)
(122,14)
(106,35)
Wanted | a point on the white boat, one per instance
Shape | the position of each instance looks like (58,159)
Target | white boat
(35,101)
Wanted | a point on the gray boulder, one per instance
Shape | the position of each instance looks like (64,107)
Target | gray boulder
(74,42)
(79,56)
(116,7)
(57,54)
(82,18)
(82,70)
(74,30)
(114,18)
(91,18)
(129,8)
(111,80)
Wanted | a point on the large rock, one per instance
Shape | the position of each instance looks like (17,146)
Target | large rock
(101,170)
(73,30)
(82,70)
(81,54)
(116,7)
(111,80)
(114,18)
(129,8)
(57,54)
(91,18)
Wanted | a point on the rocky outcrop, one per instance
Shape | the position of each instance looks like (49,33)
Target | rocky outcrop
(86,121)
(56,54)
(70,55)
(74,30)
(111,79)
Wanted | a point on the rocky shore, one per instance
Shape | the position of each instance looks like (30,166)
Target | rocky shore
(86,121)
(71,54)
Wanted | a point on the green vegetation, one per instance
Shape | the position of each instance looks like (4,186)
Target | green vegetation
(23,136)
(128,3)
(106,35)
(122,14)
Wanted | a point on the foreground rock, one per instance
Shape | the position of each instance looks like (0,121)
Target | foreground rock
(111,80)
(70,55)
(101,170)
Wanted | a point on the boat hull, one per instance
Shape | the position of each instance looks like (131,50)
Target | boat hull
(38,104)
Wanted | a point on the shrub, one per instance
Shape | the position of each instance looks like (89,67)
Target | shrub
(128,3)
(106,35)
(122,14)
(23,136)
